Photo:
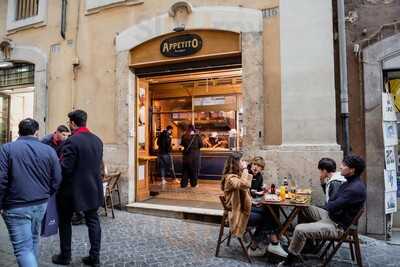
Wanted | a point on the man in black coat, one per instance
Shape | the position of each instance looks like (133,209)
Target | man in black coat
(164,152)
(81,188)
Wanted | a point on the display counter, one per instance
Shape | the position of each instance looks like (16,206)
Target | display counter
(211,164)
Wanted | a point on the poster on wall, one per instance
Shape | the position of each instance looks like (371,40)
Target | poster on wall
(390,158)
(388,108)
(390,180)
(390,133)
(141,128)
(390,202)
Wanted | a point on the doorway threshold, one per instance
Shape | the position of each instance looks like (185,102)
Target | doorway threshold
(172,209)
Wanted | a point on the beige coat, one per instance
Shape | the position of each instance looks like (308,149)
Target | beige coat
(237,194)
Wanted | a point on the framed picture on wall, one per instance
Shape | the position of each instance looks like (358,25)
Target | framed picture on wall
(390,133)
(390,180)
(390,202)
(390,158)
(388,108)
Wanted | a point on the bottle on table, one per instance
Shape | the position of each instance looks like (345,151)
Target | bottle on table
(282,193)
(292,184)
(286,185)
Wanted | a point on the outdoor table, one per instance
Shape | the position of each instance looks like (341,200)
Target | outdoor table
(296,208)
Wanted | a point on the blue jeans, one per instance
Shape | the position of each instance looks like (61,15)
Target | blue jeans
(24,226)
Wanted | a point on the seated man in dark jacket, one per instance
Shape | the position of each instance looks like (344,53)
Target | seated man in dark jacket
(330,183)
(29,174)
(342,208)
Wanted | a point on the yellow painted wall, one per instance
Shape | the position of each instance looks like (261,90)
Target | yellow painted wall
(91,39)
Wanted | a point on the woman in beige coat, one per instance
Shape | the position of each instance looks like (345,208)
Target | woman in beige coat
(236,184)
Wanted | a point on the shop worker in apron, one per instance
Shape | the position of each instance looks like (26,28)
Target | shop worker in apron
(81,188)
(191,142)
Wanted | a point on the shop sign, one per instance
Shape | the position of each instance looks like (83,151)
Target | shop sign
(181,45)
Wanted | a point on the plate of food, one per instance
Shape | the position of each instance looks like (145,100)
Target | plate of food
(306,191)
(271,197)
(299,199)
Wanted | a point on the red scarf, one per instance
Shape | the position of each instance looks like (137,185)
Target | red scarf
(81,130)
(55,141)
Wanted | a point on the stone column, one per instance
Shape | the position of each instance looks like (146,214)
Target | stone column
(253,91)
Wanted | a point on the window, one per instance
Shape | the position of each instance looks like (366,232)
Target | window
(25,13)
(21,74)
(26,9)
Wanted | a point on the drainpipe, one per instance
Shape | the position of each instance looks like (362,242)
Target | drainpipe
(344,93)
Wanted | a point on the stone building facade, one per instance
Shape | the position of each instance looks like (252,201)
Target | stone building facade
(373,39)
(81,55)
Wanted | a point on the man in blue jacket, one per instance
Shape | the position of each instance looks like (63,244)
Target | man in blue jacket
(342,208)
(29,174)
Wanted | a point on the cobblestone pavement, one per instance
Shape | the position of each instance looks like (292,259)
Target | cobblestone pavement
(140,240)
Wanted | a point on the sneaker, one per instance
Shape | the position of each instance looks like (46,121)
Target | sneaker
(277,250)
(90,261)
(60,259)
(163,181)
(290,261)
(258,252)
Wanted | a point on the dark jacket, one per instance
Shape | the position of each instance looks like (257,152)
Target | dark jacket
(29,173)
(191,146)
(48,140)
(257,181)
(347,202)
(164,143)
(82,187)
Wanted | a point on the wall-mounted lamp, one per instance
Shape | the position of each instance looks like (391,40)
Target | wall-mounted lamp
(179,28)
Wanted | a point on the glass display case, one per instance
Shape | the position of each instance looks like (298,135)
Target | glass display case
(216,118)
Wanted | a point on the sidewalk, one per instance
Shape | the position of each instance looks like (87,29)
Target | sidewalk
(140,240)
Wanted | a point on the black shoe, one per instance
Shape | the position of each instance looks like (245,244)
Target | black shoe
(290,261)
(60,259)
(78,222)
(91,261)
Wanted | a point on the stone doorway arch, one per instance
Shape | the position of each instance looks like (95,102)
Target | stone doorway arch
(376,58)
(247,22)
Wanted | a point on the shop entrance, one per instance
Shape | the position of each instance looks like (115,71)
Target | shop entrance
(209,100)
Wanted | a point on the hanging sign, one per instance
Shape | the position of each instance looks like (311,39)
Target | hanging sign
(390,158)
(390,133)
(181,45)
(390,202)
(388,108)
(390,180)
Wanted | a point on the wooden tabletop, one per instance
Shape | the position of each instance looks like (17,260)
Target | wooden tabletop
(286,203)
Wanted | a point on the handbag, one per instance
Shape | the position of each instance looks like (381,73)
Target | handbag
(50,219)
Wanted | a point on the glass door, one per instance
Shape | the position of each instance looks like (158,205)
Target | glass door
(4,118)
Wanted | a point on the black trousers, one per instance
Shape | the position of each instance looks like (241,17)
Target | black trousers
(65,231)
(190,168)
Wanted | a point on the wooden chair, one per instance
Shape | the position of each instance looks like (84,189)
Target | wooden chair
(222,238)
(349,236)
(111,182)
